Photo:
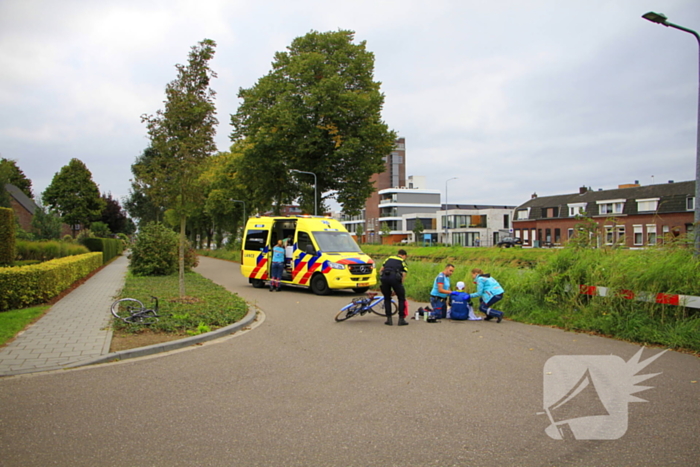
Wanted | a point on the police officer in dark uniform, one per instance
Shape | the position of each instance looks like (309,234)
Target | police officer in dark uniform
(392,275)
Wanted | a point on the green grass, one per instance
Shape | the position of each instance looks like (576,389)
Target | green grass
(229,255)
(14,321)
(208,306)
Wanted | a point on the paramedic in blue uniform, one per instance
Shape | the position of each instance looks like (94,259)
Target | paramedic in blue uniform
(489,292)
(277,266)
(441,290)
(392,274)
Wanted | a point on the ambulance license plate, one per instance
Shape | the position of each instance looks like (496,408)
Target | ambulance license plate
(363,284)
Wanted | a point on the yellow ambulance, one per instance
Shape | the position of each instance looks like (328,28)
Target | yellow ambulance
(319,253)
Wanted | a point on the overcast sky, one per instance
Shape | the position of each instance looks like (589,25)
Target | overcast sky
(512,97)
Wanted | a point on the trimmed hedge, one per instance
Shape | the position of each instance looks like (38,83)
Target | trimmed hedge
(109,247)
(7,236)
(47,250)
(25,286)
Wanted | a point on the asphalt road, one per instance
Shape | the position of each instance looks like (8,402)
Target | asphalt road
(300,389)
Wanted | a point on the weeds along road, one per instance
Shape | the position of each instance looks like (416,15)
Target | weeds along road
(303,390)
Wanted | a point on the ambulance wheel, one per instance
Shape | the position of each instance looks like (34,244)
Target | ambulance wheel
(319,286)
(257,283)
(360,289)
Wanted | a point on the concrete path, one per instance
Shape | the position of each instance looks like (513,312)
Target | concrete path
(75,329)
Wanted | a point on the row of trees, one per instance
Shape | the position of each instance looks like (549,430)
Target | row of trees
(72,198)
(318,110)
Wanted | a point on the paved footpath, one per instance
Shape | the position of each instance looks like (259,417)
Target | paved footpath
(75,329)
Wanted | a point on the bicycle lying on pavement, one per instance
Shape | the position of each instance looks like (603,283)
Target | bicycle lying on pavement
(360,306)
(133,311)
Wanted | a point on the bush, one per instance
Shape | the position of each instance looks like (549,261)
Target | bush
(155,252)
(31,285)
(47,250)
(7,236)
(108,246)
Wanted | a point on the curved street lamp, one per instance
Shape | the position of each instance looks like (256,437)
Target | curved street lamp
(315,188)
(660,18)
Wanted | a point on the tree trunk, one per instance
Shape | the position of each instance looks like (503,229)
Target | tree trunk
(181,259)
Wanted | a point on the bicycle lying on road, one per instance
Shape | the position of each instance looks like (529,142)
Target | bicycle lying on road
(133,311)
(360,306)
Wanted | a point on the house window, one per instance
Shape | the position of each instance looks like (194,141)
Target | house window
(638,235)
(548,235)
(620,234)
(506,221)
(651,234)
(557,236)
(569,234)
(524,214)
(609,235)
(526,235)
(690,204)
(576,209)
(612,206)
(647,205)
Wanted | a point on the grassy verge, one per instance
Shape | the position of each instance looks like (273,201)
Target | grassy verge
(542,287)
(229,255)
(208,306)
(13,321)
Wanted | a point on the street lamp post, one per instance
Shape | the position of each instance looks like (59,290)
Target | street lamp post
(661,19)
(315,188)
(447,207)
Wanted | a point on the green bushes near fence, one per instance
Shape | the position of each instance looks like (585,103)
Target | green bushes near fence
(47,250)
(548,293)
(109,247)
(30,285)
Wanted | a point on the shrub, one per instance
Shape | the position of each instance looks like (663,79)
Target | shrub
(47,250)
(30,285)
(155,252)
(109,247)
(7,236)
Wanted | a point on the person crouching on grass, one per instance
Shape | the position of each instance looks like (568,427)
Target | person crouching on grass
(489,292)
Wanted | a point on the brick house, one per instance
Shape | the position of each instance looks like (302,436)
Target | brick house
(632,215)
(23,206)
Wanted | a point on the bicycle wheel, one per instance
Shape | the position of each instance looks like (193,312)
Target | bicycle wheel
(126,307)
(146,317)
(348,311)
(379,303)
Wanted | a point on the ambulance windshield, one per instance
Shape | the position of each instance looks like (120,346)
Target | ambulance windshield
(336,242)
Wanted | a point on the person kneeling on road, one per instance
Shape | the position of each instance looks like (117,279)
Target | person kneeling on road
(489,292)
(441,291)
(392,274)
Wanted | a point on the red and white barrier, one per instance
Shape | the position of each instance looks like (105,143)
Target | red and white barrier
(662,298)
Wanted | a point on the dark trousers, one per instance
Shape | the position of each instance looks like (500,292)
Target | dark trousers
(394,283)
(484,306)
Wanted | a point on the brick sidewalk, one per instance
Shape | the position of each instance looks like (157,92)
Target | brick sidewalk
(76,328)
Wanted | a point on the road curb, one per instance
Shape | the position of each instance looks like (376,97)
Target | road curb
(172,345)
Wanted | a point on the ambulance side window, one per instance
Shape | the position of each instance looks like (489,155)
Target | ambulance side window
(255,240)
(304,242)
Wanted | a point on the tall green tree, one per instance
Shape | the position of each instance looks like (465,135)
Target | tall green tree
(113,215)
(74,195)
(11,173)
(182,136)
(46,225)
(318,110)
(144,203)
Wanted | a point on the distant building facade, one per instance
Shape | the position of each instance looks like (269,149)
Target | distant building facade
(633,216)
